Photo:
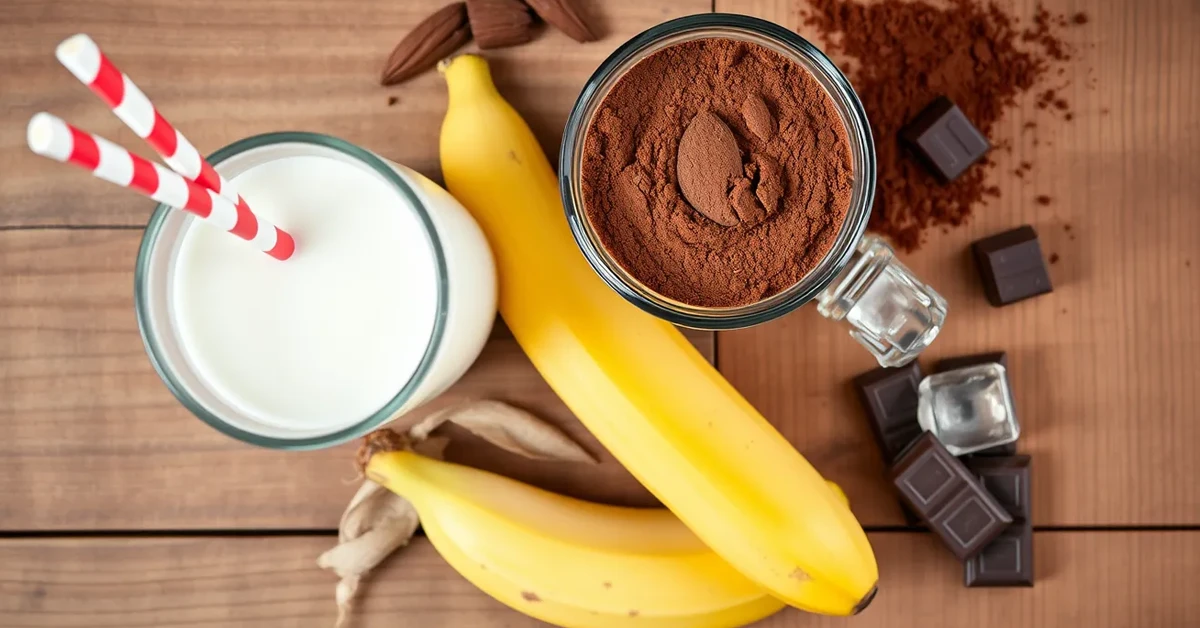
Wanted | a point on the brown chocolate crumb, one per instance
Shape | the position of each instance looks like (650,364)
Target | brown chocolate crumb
(392,100)
(1066,226)
(1061,104)
(981,59)
(1044,200)
(1054,258)
(1080,18)
(1069,116)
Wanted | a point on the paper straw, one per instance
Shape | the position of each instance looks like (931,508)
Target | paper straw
(83,58)
(49,136)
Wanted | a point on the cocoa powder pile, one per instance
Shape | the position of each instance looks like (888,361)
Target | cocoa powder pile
(907,53)
(717,172)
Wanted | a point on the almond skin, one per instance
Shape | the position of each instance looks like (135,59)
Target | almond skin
(499,23)
(566,17)
(435,38)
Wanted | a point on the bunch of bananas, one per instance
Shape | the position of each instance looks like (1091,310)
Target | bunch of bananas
(757,526)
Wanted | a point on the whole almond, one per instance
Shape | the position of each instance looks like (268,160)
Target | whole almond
(430,41)
(566,17)
(707,165)
(499,23)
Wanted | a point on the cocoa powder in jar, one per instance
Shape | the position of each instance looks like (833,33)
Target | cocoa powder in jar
(784,209)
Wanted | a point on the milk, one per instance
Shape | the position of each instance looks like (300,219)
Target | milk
(381,308)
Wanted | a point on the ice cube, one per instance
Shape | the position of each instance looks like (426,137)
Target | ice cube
(968,409)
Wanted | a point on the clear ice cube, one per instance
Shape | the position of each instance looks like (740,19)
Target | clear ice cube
(890,312)
(968,409)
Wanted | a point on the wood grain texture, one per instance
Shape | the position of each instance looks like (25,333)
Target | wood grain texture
(1099,580)
(1106,369)
(222,70)
(93,439)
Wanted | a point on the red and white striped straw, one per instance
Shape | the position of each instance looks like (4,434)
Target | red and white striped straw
(51,137)
(83,58)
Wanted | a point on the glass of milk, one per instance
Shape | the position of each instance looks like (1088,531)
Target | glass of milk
(388,300)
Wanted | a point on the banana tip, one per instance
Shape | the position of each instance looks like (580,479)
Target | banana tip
(866,601)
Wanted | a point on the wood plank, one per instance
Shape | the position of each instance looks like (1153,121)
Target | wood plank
(223,70)
(1106,369)
(1093,579)
(93,440)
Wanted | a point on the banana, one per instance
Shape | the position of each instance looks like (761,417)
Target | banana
(636,383)
(569,562)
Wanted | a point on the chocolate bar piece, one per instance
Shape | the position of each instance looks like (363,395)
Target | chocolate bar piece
(948,497)
(1007,561)
(1007,479)
(963,361)
(1011,266)
(944,139)
(997,357)
(889,397)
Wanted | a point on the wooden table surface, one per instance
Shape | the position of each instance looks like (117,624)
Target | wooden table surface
(117,508)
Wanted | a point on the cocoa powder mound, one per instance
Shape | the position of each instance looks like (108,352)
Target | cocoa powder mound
(784,209)
(906,54)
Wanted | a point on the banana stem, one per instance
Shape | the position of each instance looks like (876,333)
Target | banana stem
(467,77)
(378,442)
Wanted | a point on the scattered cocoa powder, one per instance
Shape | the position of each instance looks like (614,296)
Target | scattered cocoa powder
(1043,200)
(785,207)
(906,53)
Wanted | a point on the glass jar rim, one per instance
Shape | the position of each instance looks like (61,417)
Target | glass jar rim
(835,84)
(155,352)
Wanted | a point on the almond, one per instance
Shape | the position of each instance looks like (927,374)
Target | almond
(430,41)
(565,16)
(500,23)
(707,165)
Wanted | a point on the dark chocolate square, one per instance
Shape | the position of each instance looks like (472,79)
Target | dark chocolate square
(948,497)
(1011,266)
(963,361)
(944,139)
(1005,562)
(889,398)
(1008,480)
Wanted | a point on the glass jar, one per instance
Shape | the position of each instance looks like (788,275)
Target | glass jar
(862,153)
(456,296)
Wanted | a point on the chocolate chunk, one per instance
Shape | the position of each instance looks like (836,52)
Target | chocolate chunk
(1011,266)
(945,139)
(1007,479)
(1007,561)
(996,357)
(889,397)
(948,497)
(1007,449)
(963,361)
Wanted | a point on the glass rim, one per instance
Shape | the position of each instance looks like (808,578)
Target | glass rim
(380,416)
(862,149)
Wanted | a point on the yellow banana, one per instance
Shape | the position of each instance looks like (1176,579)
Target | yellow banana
(570,562)
(635,381)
